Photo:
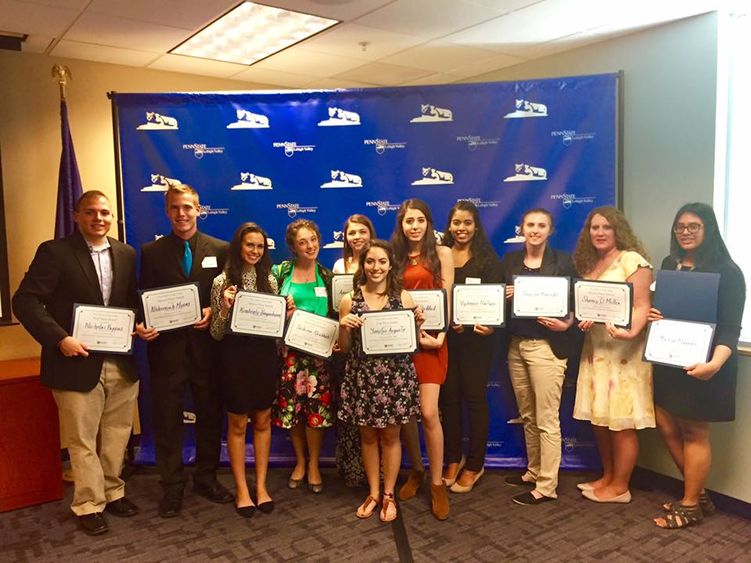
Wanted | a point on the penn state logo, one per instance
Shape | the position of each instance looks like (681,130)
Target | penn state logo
(430,113)
(525,173)
(156,120)
(340,117)
(249,120)
(524,108)
(433,176)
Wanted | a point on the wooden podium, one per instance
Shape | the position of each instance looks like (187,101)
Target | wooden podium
(30,468)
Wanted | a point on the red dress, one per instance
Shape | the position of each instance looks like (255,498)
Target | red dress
(430,365)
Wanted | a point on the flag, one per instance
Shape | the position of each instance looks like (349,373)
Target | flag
(69,187)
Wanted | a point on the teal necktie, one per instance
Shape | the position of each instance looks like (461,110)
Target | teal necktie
(187,260)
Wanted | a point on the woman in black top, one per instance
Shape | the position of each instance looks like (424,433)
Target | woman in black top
(687,399)
(470,353)
(537,358)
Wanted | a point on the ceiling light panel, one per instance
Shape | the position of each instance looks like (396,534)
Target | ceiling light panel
(251,32)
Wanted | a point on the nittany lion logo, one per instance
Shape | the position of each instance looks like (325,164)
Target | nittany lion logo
(432,176)
(250,181)
(341,179)
(430,113)
(525,108)
(160,183)
(526,173)
(249,120)
(338,241)
(158,121)
(339,116)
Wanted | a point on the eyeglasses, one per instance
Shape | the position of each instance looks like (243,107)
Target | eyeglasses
(692,228)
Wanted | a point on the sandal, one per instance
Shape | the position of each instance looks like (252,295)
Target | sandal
(368,507)
(388,500)
(705,503)
(681,517)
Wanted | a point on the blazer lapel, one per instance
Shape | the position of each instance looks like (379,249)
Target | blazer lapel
(198,256)
(82,254)
(548,266)
(117,268)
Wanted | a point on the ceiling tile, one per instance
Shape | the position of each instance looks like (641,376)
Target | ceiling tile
(427,18)
(298,60)
(383,74)
(344,39)
(36,44)
(23,17)
(342,10)
(126,33)
(437,78)
(503,6)
(274,78)
(438,56)
(334,83)
(102,53)
(193,65)
(486,65)
(67,4)
(174,13)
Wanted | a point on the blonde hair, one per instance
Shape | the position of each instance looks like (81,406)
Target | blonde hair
(181,189)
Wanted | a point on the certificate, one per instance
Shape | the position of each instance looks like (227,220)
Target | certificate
(602,301)
(434,306)
(311,333)
(259,314)
(341,285)
(389,332)
(104,329)
(541,296)
(678,343)
(479,304)
(175,306)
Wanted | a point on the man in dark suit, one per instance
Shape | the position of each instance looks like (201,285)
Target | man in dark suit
(185,356)
(95,392)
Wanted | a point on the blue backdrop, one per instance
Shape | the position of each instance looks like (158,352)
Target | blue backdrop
(270,157)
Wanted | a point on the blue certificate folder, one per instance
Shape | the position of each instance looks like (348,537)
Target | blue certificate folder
(687,296)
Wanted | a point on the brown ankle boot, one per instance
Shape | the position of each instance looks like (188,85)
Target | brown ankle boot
(409,489)
(440,501)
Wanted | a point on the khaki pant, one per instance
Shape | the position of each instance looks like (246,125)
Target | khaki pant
(537,378)
(96,426)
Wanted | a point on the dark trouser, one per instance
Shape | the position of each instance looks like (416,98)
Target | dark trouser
(466,384)
(168,394)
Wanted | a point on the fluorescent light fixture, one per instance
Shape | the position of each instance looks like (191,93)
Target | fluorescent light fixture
(251,32)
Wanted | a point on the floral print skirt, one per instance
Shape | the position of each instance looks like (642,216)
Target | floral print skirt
(304,392)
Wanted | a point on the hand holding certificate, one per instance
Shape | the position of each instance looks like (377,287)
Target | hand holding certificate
(311,333)
(479,304)
(176,306)
(104,329)
(434,305)
(341,285)
(678,343)
(541,296)
(602,301)
(389,332)
(259,314)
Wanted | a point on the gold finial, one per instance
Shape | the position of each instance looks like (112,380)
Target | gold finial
(62,74)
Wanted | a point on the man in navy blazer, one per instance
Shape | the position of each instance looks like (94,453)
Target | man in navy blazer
(95,392)
(184,356)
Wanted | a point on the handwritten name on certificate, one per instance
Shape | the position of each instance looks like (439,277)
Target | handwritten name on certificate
(175,306)
(341,285)
(311,333)
(479,304)
(434,306)
(602,302)
(259,314)
(678,343)
(104,329)
(541,296)
(389,332)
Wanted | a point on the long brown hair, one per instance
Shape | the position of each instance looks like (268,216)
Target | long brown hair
(585,255)
(394,277)
(233,269)
(360,220)
(428,253)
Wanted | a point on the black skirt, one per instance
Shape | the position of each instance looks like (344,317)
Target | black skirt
(250,371)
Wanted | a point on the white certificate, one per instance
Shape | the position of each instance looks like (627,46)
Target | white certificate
(176,306)
(104,329)
(541,296)
(389,332)
(341,285)
(677,343)
(602,301)
(259,314)
(311,333)
(479,304)
(434,306)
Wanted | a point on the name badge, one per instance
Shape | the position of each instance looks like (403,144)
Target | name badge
(321,292)
(209,262)
(473,281)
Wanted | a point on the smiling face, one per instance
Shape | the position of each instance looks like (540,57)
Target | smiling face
(689,241)
(182,210)
(94,219)
(306,244)
(357,236)
(376,265)
(536,229)
(602,234)
(252,248)
(462,227)
(414,225)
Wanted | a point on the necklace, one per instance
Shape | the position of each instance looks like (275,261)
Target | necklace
(414,259)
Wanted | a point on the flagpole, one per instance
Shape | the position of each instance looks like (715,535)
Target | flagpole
(62,74)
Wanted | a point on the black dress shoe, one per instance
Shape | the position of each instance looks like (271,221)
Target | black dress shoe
(122,507)
(170,506)
(215,492)
(93,524)
(245,511)
(266,507)
(528,499)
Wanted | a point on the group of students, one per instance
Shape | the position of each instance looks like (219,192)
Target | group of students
(381,397)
